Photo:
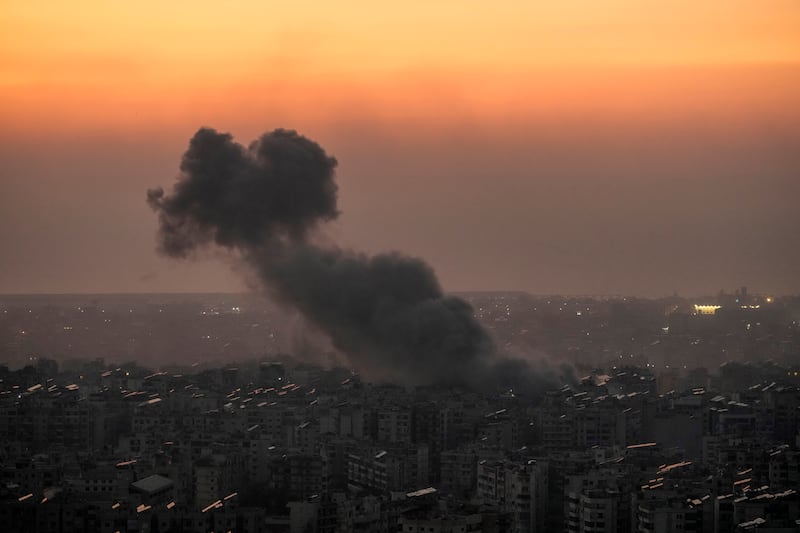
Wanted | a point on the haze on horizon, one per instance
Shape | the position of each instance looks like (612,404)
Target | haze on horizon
(584,148)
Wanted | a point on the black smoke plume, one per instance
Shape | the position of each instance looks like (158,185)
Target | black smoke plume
(387,313)
(278,188)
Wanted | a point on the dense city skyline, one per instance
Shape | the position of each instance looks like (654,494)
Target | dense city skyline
(158,413)
(432,267)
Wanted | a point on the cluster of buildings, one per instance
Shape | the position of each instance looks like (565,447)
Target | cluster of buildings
(647,441)
(274,447)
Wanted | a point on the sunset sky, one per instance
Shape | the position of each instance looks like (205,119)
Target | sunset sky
(578,147)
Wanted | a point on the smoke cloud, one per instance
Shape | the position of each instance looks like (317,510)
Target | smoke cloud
(280,187)
(386,313)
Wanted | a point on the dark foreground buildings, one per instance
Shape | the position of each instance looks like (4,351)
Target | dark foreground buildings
(273,445)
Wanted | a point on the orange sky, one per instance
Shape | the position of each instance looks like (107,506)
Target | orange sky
(121,64)
(503,115)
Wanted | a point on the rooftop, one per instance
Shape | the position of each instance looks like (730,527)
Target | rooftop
(152,484)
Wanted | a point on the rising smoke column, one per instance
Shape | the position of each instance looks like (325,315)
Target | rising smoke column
(387,313)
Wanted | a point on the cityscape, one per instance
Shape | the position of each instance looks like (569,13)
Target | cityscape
(448,266)
(192,413)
